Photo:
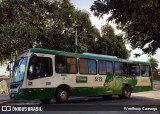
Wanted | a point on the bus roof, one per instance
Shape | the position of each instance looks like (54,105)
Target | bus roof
(84,55)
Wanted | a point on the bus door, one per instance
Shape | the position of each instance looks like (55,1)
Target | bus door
(39,69)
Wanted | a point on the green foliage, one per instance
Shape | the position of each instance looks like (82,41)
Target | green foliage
(43,24)
(154,63)
(112,44)
(138,19)
(107,30)
(20,26)
(46,24)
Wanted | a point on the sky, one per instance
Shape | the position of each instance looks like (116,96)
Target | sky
(85,5)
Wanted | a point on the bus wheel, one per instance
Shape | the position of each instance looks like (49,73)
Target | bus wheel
(107,96)
(62,95)
(45,101)
(126,93)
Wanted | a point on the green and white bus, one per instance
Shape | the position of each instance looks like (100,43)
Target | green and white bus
(49,74)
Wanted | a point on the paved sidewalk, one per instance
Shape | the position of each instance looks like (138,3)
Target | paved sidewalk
(149,94)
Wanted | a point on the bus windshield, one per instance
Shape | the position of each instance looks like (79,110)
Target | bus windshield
(19,69)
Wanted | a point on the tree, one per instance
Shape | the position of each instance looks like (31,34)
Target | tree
(138,19)
(111,44)
(154,63)
(64,39)
(86,33)
(43,24)
(21,25)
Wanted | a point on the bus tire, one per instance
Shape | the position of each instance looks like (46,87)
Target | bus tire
(107,96)
(126,93)
(45,101)
(62,95)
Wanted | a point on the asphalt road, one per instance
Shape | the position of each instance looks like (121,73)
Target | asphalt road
(96,105)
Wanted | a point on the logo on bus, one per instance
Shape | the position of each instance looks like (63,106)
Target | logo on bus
(81,79)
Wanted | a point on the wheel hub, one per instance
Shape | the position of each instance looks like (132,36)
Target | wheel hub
(127,92)
(63,95)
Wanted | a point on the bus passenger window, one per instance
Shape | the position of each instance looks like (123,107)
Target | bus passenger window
(145,71)
(65,64)
(92,66)
(83,66)
(105,67)
(87,66)
(109,68)
(134,70)
(61,68)
(102,67)
(121,69)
